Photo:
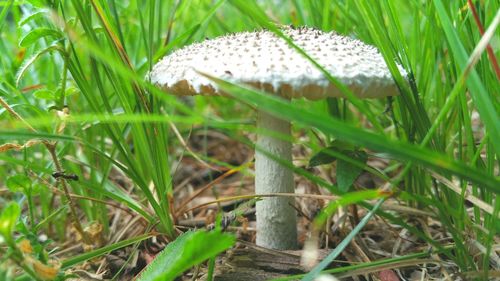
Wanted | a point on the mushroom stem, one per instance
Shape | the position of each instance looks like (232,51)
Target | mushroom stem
(276,218)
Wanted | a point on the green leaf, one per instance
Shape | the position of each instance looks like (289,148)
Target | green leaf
(327,155)
(30,61)
(347,172)
(36,34)
(324,156)
(58,94)
(186,251)
(32,17)
(38,188)
(18,183)
(45,94)
(8,220)
(70,91)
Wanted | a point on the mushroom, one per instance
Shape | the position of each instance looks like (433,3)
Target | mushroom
(265,61)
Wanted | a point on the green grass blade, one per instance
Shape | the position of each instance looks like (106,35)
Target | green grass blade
(481,98)
(102,251)
(400,150)
(342,245)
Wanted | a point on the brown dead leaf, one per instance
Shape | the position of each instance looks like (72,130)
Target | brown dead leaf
(25,246)
(14,146)
(45,271)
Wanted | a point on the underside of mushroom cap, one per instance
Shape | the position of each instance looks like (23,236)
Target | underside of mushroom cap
(267,62)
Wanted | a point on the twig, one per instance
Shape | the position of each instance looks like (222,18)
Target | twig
(112,204)
(184,144)
(14,114)
(209,185)
(251,196)
(51,147)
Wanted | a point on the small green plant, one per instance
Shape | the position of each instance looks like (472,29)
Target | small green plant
(350,160)
(188,250)
(25,250)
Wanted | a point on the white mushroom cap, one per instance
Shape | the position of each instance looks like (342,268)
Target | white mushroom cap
(263,60)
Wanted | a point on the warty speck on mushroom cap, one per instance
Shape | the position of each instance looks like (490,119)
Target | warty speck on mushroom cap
(263,60)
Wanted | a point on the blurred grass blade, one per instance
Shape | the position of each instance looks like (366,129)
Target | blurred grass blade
(400,150)
(50,217)
(480,96)
(374,265)
(260,17)
(5,11)
(189,33)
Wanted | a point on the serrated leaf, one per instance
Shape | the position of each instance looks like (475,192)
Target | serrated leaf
(8,220)
(44,94)
(36,56)
(36,34)
(18,183)
(31,17)
(188,250)
(348,172)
